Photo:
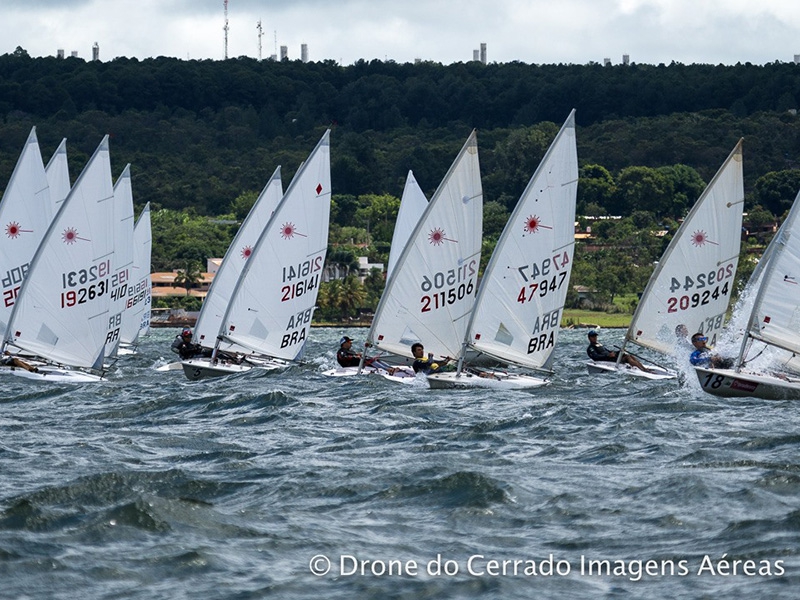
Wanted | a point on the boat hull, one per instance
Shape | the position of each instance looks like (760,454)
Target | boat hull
(495,380)
(52,374)
(656,373)
(205,368)
(727,383)
(173,366)
(350,371)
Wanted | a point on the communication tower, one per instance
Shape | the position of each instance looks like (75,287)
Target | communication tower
(260,33)
(225,29)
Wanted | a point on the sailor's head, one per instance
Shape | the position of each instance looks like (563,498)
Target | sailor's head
(186,333)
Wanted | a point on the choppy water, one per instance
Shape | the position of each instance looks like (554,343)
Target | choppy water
(151,486)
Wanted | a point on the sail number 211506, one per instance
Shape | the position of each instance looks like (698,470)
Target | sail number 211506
(448,288)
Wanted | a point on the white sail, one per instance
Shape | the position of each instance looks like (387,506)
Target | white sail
(774,321)
(122,276)
(62,308)
(693,282)
(412,205)
(775,318)
(209,323)
(522,293)
(271,307)
(25,214)
(58,176)
(136,318)
(429,295)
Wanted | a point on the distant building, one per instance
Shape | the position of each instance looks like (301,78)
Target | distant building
(606,62)
(483,52)
(96,51)
(60,53)
(626,59)
(213,265)
(163,285)
(304,52)
(284,52)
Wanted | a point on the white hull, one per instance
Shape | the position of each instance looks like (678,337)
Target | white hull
(405,376)
(498,380)
(730,384)
(173,366)
(52,374)
(350,371)
(204,368)
(656,373)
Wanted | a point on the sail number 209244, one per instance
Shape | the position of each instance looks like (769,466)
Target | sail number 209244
(701,290)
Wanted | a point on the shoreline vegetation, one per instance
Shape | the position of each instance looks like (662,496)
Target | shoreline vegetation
(571,319)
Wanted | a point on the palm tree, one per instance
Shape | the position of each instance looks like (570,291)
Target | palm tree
(189,277)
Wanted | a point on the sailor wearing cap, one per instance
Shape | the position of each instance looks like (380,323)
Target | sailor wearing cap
(598,352)
(346,356)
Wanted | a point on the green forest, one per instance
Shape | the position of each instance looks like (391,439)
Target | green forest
(203,138)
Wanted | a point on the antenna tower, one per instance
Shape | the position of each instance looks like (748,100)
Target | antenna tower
(225,29)
(260,33)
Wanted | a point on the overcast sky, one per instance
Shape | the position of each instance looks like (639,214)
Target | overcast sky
(446,31)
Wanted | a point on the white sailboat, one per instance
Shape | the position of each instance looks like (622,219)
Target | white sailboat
(123,259)
(517,313)
(431,290)
(773,326)
(61,313)
(212,313)
(57,170)
(25,214)
(271,306)
(690,288)
(412,206)
(136,318)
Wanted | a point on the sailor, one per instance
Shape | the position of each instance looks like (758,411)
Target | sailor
(12,361)
(183,346)
(347,357)
(599,353)
(704,357)
(426,364)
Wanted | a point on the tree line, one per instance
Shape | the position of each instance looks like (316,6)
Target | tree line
(204,136)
